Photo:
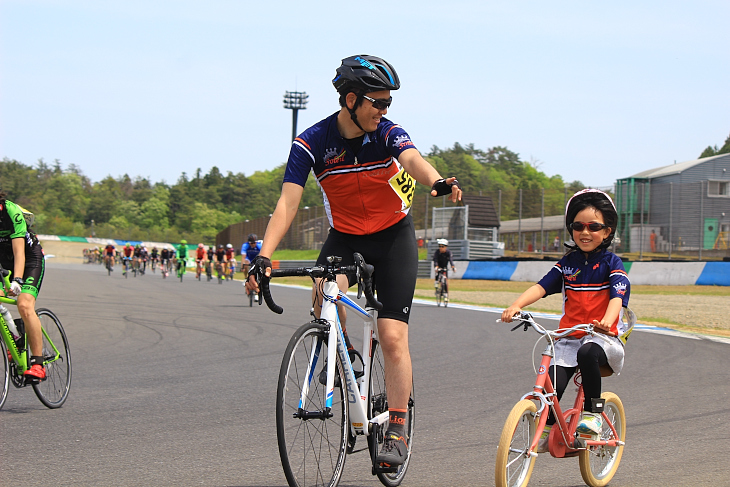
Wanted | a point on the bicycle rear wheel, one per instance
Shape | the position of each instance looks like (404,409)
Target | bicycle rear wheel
(312,450)
(514,461)
(378,404)
(6,374)
(598,464)
(57,359)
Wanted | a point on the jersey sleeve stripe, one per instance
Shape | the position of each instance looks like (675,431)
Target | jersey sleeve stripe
(299,142)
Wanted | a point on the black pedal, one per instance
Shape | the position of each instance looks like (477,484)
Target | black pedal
(598,405)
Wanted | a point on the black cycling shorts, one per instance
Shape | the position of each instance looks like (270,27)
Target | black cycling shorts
(394,254)
(35,267)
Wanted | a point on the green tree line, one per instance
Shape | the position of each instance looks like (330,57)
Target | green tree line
(714,151)
(198,206)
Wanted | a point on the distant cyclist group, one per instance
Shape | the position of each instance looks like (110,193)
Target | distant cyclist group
(211,261)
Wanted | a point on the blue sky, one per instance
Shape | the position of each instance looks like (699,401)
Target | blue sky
(593,91)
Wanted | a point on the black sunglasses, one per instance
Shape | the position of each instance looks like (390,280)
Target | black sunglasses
(592,226)
(379,103)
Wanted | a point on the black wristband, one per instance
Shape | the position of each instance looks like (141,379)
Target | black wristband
(443,188)
(19,280)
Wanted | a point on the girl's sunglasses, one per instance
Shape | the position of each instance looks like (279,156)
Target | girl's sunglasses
(378,103)
(592,226)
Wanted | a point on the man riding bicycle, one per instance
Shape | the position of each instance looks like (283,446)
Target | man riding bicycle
(249,250)
(109,255)
(182,255)
(441,260)
(127,254)
(365,166)
(199,260)
(230,261)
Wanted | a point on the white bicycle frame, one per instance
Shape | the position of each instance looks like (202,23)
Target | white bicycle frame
(357,397)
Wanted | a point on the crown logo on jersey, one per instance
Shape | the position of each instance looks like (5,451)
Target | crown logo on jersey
(620,288)
(332,157)
(402,141)
(570,273)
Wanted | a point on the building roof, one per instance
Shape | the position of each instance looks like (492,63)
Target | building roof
(671,169)
(481,211)
(547,224)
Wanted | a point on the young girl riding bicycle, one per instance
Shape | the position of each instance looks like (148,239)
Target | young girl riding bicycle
(595,290)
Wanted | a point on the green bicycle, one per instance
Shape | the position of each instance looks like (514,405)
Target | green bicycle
(53,390)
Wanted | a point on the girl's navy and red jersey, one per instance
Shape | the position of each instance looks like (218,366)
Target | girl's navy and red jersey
(364,192)
(588,284)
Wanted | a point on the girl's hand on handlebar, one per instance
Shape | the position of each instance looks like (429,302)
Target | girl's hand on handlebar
(601,327)
(509,313)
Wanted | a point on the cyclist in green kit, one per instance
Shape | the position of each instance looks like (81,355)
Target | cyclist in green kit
(21,253)
(182,254)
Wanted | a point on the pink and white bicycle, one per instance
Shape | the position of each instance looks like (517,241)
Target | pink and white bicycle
(599,457)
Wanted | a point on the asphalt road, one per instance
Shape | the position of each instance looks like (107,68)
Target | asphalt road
(174,384)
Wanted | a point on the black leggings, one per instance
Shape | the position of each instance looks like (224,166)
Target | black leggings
(590,359)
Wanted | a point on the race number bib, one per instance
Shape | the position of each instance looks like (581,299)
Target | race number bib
(404,185)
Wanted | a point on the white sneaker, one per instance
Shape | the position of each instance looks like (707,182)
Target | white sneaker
(590,424)
(542,443)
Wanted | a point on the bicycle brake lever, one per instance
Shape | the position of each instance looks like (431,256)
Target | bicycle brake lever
(518,325)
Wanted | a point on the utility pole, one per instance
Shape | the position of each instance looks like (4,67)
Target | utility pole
(295,101)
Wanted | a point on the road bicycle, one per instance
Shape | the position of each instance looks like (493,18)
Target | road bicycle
(322,404)
(126,265)
(251,295)
(164,268)
(208,270)
(53,390)
(198,268)
(180,268)
(219,272)
(109,265)
(442,296)
(599,456)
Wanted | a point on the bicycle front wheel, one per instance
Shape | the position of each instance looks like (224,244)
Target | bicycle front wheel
(377,405)
(57,359)
(598,464)
(514,460)
(6,374)
(312,443)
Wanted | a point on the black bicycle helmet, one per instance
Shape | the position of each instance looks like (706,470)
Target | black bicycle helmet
(252,237)
(362,74)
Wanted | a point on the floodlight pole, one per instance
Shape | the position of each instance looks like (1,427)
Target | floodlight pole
(295,101)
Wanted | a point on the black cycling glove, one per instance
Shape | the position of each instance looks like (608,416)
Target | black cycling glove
(258,267)
(443,188)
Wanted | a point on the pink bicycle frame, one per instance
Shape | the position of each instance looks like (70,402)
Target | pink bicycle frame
(562,446)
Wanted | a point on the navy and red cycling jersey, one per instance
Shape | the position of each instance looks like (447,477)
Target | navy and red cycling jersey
(364,191)
(109,249)
(588,284)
